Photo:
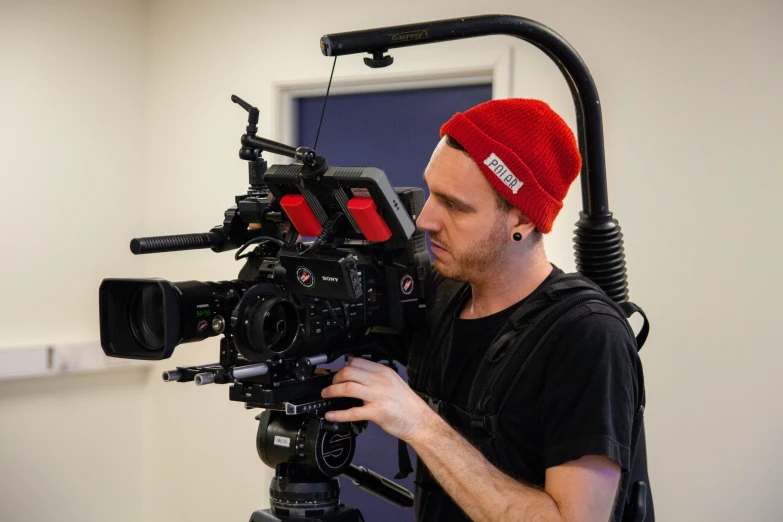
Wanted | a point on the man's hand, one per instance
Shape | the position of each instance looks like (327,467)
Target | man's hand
(388,400)
(581,490)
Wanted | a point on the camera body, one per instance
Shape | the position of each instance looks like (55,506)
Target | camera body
(333,265)
(295,303)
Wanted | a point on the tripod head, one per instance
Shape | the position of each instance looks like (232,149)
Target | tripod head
(308,453)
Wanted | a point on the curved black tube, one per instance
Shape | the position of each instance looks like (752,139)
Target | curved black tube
(588,109)
(598,241)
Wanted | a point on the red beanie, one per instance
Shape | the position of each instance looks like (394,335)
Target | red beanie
(525,150)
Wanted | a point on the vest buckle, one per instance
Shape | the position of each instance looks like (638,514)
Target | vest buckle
(479,424)
(436,405)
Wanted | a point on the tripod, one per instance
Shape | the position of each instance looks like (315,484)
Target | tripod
(308,453)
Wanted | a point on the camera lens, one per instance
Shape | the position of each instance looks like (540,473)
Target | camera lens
(146,316)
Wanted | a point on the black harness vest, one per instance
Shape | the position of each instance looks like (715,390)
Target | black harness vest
(504,364)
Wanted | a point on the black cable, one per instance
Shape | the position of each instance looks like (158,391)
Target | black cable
(337,319)
(323,110)
(260,239)
(313,246)
(328,227)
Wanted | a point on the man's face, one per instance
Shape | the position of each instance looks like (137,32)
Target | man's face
(467,230)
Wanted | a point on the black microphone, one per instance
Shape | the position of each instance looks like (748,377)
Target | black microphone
(155,244)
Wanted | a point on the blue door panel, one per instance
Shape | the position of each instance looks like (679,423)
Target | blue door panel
(395,131)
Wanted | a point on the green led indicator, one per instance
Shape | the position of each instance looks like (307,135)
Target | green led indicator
(203,313)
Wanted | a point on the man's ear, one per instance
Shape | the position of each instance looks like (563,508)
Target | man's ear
(521,223)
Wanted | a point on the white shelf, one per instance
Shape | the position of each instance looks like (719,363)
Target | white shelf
(57,359)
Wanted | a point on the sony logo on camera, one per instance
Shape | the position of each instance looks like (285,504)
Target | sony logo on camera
(339,268)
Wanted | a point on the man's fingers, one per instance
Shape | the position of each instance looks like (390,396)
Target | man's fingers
(353,373)
(350,415)
(348,389)
(364,364)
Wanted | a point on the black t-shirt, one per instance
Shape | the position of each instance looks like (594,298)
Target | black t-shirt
(578,396)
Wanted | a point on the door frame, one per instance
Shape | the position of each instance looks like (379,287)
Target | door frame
(498,73)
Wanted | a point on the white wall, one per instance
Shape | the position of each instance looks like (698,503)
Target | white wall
(73,79)
(71,447)
(73,158)
(691,113)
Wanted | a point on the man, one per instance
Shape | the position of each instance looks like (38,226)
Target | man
(497,180)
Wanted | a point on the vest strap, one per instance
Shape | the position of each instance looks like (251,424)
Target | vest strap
(403,460)
(629,309)
(481,426)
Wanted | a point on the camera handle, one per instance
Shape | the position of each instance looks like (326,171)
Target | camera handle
(252,143)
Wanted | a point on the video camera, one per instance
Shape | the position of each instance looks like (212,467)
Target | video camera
(356,288)
(336,267)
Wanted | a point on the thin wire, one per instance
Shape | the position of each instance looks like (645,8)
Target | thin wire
(324,107)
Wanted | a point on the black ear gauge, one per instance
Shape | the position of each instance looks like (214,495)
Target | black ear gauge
(517,236)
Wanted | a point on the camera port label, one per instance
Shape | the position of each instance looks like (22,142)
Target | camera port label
(282,441)
(360,192)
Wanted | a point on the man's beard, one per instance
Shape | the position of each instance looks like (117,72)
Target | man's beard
(472,263)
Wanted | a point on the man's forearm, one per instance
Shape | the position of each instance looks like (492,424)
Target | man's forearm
(484,492)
